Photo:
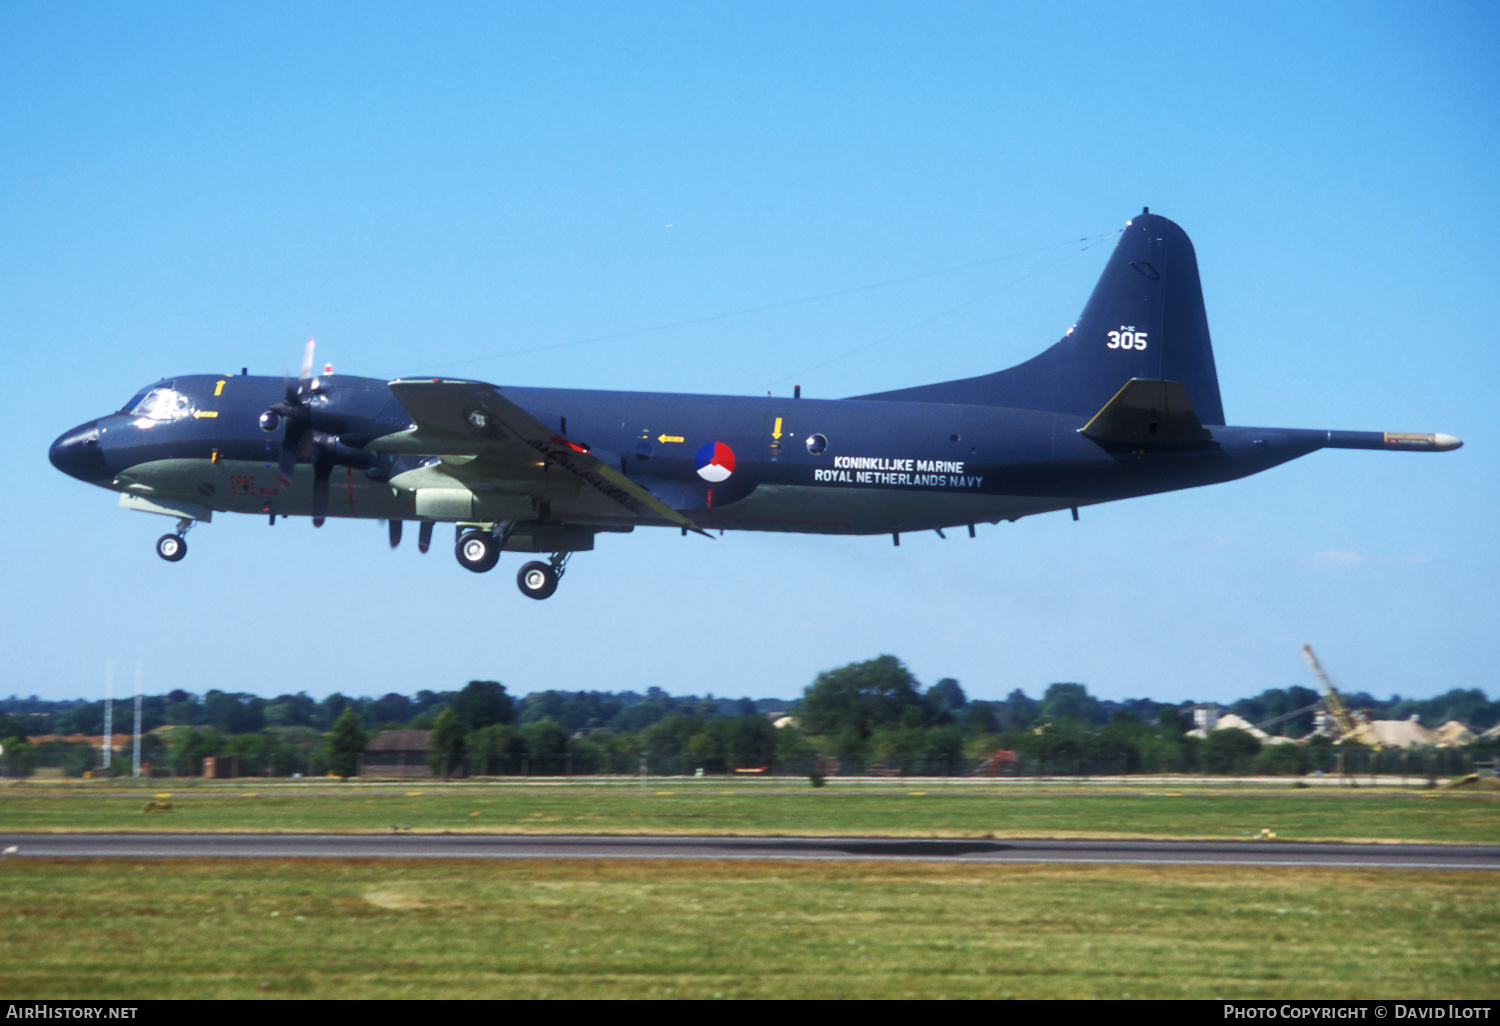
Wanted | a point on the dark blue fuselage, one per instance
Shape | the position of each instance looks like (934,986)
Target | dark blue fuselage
(810,465)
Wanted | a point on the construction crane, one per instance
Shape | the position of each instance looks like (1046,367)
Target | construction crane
(1348,723)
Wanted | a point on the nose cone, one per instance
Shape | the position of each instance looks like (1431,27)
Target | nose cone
(79,453)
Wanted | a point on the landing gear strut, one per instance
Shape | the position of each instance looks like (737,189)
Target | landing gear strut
(173,547)
(539,580)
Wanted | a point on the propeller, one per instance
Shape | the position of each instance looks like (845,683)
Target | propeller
(294,412)
(300,442)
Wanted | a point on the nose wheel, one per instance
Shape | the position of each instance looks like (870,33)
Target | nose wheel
(173,547)
(539,580)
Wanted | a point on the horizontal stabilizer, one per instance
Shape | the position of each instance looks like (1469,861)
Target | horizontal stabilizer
(1146,412)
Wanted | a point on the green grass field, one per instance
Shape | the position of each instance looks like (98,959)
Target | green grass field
(438,929)
(896,809)
(139,929)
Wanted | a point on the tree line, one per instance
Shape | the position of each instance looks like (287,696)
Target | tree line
(871,716)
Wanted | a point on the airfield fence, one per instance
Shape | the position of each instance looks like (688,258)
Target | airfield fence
(61,759)
(1415,764)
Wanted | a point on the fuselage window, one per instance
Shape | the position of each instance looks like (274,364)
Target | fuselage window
(817,444)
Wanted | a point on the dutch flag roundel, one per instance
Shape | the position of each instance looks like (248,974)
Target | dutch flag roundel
(715,462)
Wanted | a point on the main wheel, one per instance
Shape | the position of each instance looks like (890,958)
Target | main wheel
(537,580)
(478,551)
(171,547)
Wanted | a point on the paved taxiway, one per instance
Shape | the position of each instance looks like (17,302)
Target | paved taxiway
(491,846)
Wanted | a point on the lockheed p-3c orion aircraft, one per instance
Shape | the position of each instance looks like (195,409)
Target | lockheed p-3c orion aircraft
(1126,404)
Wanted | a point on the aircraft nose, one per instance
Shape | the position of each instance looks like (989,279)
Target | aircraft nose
(79,453)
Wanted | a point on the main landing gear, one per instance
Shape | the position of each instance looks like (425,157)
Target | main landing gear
(173,547)
(479,551)
(539,580)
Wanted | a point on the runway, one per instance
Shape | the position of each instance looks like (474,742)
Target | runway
(978,852)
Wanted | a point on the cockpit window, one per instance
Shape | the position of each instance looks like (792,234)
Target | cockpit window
(161,404)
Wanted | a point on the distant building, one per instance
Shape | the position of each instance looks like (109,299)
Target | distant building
(222,767)
(1205,718)
(397,753)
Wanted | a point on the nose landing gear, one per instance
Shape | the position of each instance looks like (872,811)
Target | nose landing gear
(173,547)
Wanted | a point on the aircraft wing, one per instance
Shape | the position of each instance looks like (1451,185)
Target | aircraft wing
(503,441)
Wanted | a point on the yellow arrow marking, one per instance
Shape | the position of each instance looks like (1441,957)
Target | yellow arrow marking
(219,388)
(205,413)
(777,432)
(664,439)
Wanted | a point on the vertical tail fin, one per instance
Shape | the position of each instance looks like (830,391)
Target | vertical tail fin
(1145,319)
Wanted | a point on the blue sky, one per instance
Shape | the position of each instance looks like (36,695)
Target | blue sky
(517,192)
